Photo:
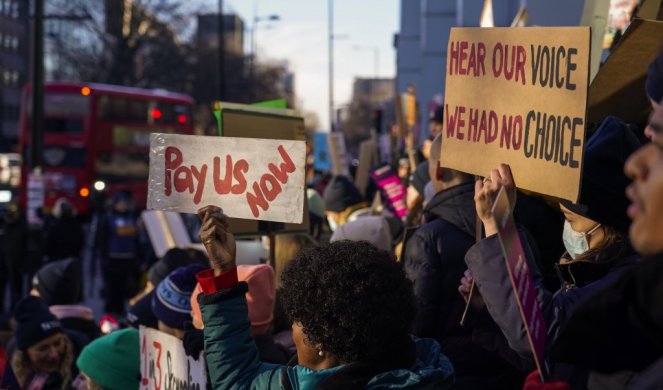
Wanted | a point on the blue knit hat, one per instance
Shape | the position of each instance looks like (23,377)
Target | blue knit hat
(171,302)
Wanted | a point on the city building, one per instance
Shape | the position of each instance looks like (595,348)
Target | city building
(14,67)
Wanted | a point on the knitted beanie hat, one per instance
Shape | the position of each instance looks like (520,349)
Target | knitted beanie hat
(34,322)
(113,361)
(59,282)
(171,303)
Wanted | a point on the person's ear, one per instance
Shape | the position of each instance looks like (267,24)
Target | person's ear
(439,172)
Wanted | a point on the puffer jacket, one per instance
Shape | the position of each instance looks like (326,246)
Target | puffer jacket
(233,361)
(581,280)
(434,260)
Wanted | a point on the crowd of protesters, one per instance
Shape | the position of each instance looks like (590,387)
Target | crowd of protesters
(352,304)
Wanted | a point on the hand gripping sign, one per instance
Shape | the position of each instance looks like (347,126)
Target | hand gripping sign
(250,178)
(518,96)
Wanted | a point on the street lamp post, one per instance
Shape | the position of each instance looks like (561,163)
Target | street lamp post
(330,4)
(254,31)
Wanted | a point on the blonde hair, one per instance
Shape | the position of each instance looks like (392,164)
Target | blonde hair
(287,247)
(23,368)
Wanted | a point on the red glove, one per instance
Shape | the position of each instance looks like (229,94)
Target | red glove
(533,382)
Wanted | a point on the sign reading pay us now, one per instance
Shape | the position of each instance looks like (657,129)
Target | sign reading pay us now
(518,96)
(248,178)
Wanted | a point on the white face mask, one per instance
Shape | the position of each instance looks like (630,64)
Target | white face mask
(576,242)
(332,224)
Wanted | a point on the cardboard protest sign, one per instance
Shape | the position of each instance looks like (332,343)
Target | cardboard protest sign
(248,178)
(518,96)
(367,160)
(619,87)
(322,158)
(165,365)
(391,189)
(339,154)
(521,281)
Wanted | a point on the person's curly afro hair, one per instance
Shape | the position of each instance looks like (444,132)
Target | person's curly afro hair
(351,298)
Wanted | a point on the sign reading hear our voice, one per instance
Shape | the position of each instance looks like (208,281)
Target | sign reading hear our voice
(518,96)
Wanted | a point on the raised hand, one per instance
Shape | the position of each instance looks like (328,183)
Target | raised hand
(217,238)
(485,193)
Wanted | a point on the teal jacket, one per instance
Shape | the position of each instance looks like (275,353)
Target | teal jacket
(233,361)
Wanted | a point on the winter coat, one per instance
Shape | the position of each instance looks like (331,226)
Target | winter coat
(486,262)
(64,239)
(434,260)
(620,328)
(233,360)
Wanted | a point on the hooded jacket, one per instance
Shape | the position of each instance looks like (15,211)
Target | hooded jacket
(434,261)
(233,359)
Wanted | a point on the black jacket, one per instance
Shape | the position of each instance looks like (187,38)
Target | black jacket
(434,261)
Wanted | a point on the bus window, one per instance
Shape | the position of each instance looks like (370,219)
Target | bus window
(118,166)
(63,126)
(61,156)
(112,108)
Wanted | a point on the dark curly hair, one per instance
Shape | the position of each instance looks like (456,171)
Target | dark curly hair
(351,298)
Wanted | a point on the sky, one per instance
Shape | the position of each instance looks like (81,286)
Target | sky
(301,36)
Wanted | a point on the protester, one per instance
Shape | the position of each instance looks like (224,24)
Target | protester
(594,236)
(316,213)
(373,229)
(171,260)
(171,302)
(65,237)
(59,284)
(414,199)
(12,256)
(352,308)
(44,356)
(343,202)
(112,362)
(119,234)
(287,246)
(628,310)
(260,304)
(434,261)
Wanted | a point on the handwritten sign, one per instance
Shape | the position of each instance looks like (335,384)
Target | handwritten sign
(248,178)
(518,96)
(165,365)
(521,281)
(391,189)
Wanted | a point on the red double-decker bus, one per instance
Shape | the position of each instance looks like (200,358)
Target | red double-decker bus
(97,137)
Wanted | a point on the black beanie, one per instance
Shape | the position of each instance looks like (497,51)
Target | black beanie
(437,115)
(602,195)
(340,194)
(140,313)
(172,260)
(654,83)
(34,322)
(59,282)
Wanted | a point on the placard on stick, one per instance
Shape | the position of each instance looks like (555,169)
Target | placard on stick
(249,178)
(518,96)
(521,280)
(165,365)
